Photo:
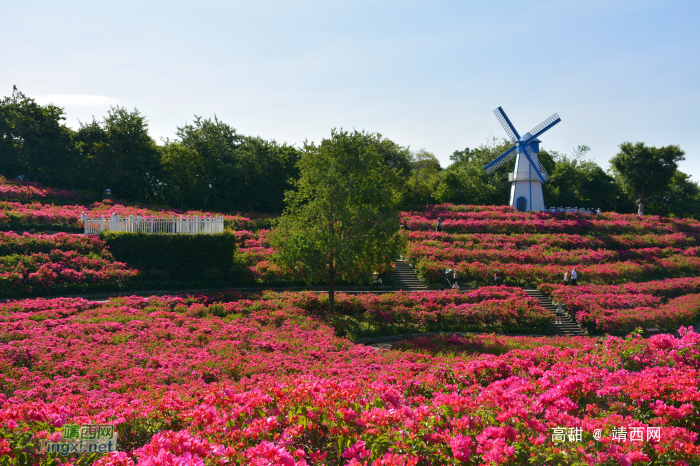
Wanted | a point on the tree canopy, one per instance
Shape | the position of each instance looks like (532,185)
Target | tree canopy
(210,165)
(341,220)
(645,171)
(35,142)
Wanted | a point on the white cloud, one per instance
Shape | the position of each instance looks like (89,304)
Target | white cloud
(78,100)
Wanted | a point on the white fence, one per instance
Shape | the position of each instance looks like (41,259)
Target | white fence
(182,224)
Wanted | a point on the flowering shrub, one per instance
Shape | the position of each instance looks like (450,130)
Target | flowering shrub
(202,379)
(503,219)
(41,264)
(620,309)
(26,191)
(481,241)
(35,213)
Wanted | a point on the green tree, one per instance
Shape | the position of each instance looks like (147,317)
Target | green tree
(680,199)
(99,168)
(578,182)
(645,171)
(135,153)
(182,168)
(341,222)
(246,173)
(424,177)
(466,182)
(35,142)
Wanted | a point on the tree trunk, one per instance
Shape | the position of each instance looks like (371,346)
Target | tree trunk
(331,290)
(640,204)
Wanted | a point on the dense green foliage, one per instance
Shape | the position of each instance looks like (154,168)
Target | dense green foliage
(646,171)
(342,219)
(209,165)
(174,257)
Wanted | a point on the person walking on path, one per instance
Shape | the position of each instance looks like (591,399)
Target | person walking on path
(574,277)
(448,285)
(439,225)
(455,280)
(559,313)
(567,276)
(375,280)
(498,280)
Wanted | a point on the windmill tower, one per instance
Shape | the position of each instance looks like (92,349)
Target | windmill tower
(529,174)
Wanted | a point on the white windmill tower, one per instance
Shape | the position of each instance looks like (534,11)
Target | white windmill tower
(529,174)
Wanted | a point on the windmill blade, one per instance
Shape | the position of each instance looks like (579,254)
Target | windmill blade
(507,125)
(539,169)
(541,128)
(500,160)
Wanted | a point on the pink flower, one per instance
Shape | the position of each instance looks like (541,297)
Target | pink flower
(356,451)
(461,446)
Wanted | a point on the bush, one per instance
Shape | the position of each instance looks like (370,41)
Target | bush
(164,257)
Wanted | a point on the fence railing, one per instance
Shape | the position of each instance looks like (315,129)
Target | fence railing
(172,225)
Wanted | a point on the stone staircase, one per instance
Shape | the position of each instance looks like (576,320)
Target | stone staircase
(568,326)
(406,279)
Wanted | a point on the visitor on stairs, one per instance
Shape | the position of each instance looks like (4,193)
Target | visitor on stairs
(455,280)
(498,280)
(574,276)
(439,225)
(448,285)
(559,313)
(567,276)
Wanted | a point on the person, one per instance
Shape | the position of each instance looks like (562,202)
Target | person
(375,280)
(559,313)
(567,276)
(497,278)
(455,280)
(598,211)
(439,225)
(574,277)
(448,285)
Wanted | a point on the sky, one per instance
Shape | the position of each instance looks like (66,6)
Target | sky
(425,74)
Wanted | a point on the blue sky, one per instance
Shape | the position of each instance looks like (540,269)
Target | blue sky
(425,74)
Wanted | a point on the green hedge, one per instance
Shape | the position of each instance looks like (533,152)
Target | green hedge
(165,257)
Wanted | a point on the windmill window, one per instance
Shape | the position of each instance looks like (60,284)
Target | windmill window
(521,204)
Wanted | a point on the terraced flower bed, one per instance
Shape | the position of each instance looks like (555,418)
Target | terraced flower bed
(33,265)
(609,252)
(28,191)
(667,304)
(242,380)
(36,214)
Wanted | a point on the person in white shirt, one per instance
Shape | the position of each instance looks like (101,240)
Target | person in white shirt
(574,276)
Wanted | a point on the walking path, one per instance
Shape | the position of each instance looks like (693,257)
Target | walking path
(568,326)
(406,279)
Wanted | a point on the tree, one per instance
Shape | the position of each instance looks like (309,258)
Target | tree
(35,142)
(645,171)
(246,173)
(577,181)
(341,222)
(100,169)
(182,168)
(466,182)
(424,178)
(680,199)
(135,153)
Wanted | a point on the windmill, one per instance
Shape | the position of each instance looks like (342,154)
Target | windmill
(529,174)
